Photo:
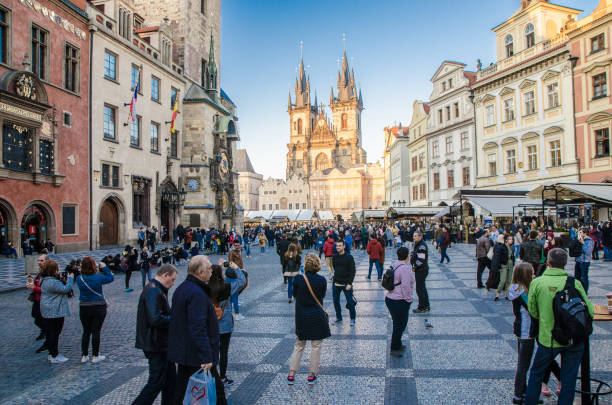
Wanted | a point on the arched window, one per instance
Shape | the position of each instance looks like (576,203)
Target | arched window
(344,121)
(299,126)
(321,162)
(530,35)
(509,46)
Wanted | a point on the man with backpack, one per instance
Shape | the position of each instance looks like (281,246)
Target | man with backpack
(531,252)
(398,280)
(565,315)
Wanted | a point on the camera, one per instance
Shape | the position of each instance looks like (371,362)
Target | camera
(225,264)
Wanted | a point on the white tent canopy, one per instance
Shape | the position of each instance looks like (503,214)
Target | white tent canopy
(326,216)
(601,192)
(500,206)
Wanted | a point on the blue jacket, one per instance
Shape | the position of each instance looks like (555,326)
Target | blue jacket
(94,281)
(194,331)
(348,240)
(54,297)
(226,323)
(587,250)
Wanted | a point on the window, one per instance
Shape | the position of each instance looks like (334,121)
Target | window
(443,86)
(135,132)
(174,144)
(449,144)
(154,137)
(530,35)
(422,192)
(67,119)
(602,142)
(17,147)
(597,43)
(421,160)
(291,206)
(303,206)
(299,126)
(553,95)
(450,83)
(71,68)
(415,192)
(5,19)
(40,47)
(532,157)
(465,141)
(492,160)
(136,79)
(154,88)
(69,219)
(466,176)
(509,46)
(110,175)
(45,156)
(440,116)
(450,178)
(414,164)
(448,113)
(125,23)
(511,161)
(555,153)
(173,94)
(203,7)
(529,102)
(110,114)
(110,66)
(277,206)
(435,149)
(600,88)
(140,201)
(344,121)
(456,105)
(436,181)
(509,109)
(490,110)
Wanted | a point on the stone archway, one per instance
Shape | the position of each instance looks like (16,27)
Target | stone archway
(166,214)
(38,224)
(8,225)
(111,222)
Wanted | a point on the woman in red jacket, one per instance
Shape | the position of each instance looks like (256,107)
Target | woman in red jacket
(375,252)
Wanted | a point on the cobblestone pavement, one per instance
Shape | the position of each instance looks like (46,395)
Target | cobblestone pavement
(468,357)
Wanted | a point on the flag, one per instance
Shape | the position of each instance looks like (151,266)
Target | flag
(132,116)
(174,114)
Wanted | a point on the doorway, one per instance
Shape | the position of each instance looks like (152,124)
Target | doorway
(34,227)
(109,224)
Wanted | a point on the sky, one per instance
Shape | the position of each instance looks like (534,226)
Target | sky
(394,46)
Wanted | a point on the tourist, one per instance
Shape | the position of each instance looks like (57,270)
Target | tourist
(132,265)
(524,329)
(541,294)
(281,248)
(92,306)
(531,252)
(518,240)
(583,262)
(235,256)
(141,238)
(310,318)
(483,244)
(500,256)
(152,323)
(293,261)
(145,266)
(506,266)
(419,261)
(348,241)
(328,250)
(9,250)
(34,285)
(193,340)
(247,244)
(262,242)
(595,233)
(375,251)
(445,242)
(54,307)
(606,241)
(344,274)
(223,284)
(399,299)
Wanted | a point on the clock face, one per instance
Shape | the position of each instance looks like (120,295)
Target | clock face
(224,166)
(193,185)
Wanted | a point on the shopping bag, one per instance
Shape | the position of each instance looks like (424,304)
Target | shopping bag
(201,389)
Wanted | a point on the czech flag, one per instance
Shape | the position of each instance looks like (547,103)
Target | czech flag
(174,113)
(132,116)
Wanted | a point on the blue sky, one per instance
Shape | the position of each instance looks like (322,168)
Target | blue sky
(395,46)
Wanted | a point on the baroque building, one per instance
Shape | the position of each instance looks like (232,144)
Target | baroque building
(328,153)
(450,133)
(418,155)
(396,163)
(279,194)
(524,104)
(210,131)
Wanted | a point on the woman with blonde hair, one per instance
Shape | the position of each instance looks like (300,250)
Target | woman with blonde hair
(311,320)
(292,269)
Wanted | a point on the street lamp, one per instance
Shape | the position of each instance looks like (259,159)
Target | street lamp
(174,198)
(394,203)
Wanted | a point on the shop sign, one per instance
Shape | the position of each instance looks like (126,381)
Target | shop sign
(51,15)
(20,112)
(32,229)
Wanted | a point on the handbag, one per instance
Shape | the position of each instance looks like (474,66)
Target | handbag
(490,253)
(201,389)
(31,296)
(315,297)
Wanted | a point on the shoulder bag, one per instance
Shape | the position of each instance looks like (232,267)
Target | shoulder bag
(95,292)
(315,297)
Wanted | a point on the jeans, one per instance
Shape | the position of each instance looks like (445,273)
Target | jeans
(92,318)
(289,287)
(234,303)
(182,380)
(376,262)
(399,310)
(525,352)
(570,361)
(421,289)
(146,273)
(443,255)
(263,250)
(53,329)
(483,263)
(364,244)
(348,294)
(607,253)
(162,377)
(247,248)
(581,272)
(224,342)
(516,249)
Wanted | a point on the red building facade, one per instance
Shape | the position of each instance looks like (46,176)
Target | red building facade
(44,110)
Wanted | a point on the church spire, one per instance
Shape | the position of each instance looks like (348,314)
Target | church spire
(289,104)
(346,80)
(211,67)
(331,95)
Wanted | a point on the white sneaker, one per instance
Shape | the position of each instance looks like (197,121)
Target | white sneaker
(238,317)
(58,359)
(84,359)
(98,358)
(49,357)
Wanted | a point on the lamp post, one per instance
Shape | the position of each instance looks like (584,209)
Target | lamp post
(174,199)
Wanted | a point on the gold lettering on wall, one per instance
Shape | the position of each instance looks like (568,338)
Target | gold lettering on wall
(20,112)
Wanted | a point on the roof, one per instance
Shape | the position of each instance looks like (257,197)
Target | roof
(500,206)
(306,215)
(471,76)
(601,192)
(326,216)
(226,97)
(242,162)
(444,211)
(412,211)
(146,29)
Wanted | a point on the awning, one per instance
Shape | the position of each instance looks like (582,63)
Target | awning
(498,206)
(326,216)
(413,211)
(566,192)
(306,215)
(443,212)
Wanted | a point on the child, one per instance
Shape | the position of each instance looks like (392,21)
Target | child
(525,328)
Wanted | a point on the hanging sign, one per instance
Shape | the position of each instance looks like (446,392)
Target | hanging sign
(32,229)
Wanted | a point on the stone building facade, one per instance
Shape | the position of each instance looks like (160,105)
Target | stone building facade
(137,160)
(397,165)
(524,104)
(278,194)
(418,155)
(450,133)
(44,106)
(248,181)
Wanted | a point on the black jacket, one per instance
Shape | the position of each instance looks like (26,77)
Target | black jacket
(310,320)
(281,249)
(531,251)
(419,256)
(500,256)
(344,269)
(153,318)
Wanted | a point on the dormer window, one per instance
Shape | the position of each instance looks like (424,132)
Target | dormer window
(530,35)
(509,46)
(125,23)
(443,86)
(450,83)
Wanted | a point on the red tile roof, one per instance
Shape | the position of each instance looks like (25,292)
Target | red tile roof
(146,29)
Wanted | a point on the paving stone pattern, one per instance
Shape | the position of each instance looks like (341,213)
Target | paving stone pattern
(469,357)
